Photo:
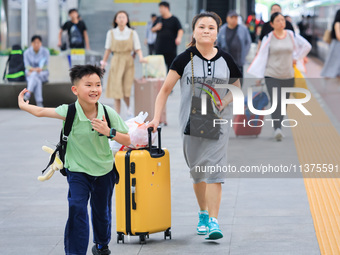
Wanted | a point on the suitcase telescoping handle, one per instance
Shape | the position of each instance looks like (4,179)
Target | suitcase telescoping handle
(150,129)
(133,191)
(159,149)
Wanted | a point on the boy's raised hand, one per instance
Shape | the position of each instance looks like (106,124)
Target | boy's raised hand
(21,101)
(36,110)
(101,126)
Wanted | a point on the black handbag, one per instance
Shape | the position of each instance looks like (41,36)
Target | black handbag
(201,125)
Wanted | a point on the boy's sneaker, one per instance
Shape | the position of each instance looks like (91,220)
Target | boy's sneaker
(214,231)
(203,222)
(103,250)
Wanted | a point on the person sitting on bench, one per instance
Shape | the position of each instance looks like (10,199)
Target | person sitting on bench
(36,60)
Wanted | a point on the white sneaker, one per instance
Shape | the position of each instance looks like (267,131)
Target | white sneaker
(278,135)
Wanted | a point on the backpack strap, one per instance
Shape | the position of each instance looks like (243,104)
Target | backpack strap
(114,165)
(6,66)
(107,117)
(71,112)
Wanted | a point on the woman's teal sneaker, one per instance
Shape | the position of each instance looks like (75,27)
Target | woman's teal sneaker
(203,222)
(214,231)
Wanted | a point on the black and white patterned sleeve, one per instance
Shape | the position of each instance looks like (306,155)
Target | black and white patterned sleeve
(180,62)
(235,72)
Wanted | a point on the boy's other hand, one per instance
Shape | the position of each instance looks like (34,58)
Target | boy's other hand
(101,126)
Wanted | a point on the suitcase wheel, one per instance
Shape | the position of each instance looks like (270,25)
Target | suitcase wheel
(167,233)
(120,237)
(142,239)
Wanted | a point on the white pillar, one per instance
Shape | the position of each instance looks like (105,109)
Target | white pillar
(242,9)
(24,23)
(53,23)
(3,27)
(31,20)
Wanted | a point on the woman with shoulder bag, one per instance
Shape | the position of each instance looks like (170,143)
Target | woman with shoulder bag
(200,68)
(331,69)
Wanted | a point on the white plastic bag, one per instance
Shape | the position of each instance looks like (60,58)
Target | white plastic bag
(138,134)
(115,147)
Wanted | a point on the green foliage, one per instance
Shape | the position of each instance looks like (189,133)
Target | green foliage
(53,52)
(5,52)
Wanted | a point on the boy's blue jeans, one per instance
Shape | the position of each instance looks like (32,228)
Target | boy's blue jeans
(99,190)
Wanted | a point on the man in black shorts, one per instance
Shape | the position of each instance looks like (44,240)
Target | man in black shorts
(169,33)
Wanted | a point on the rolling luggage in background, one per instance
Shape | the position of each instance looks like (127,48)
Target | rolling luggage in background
(155,67)
(260,100)
(143,198)
(147,88)
(146,91)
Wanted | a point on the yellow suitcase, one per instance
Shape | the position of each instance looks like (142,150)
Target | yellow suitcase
(143,197)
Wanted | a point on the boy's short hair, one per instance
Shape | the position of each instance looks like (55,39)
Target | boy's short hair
(79,71)
(36,37)
(165,4)
(72,10)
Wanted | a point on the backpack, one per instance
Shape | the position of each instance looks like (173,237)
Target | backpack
(76,38)
(62,145)
(15,64)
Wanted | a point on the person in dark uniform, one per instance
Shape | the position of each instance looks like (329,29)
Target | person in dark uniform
(169,33)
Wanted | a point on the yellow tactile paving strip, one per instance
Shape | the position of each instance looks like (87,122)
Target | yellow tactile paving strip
(317,141)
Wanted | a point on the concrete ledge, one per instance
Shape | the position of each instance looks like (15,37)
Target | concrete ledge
(54,94)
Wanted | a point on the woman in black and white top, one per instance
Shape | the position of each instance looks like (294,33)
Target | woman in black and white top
(209,66)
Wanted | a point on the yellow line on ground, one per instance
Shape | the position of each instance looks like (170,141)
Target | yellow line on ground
(318,142)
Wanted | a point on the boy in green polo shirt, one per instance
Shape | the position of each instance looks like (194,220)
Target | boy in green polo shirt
(88,160)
